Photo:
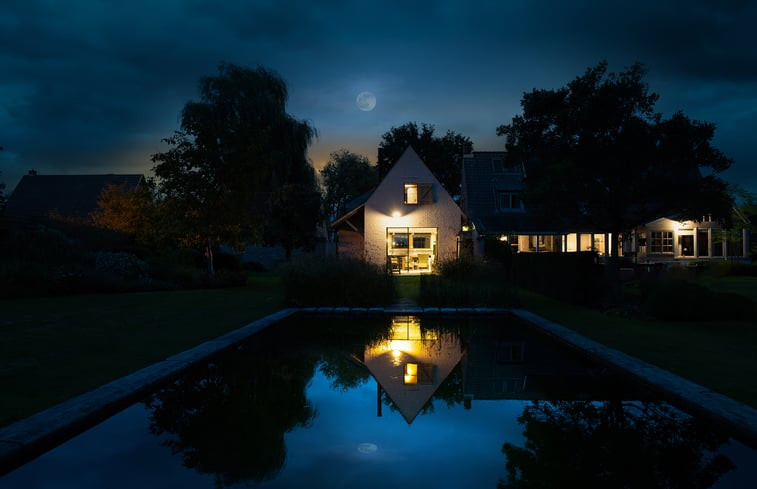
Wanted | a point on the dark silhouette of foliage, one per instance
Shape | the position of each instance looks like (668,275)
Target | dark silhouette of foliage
(346,176)
(229,418)
(598,156)
(236,150)
(613,444)
(443,155)
(295,210)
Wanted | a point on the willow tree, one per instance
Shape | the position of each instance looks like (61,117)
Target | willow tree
(235,150)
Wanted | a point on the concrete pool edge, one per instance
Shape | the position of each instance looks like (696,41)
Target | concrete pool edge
(25,439)
(737,416)
(29,437)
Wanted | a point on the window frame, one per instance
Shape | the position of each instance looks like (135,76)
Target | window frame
(661,242)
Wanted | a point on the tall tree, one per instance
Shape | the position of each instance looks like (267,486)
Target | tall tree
(443,155)
(236,149)
(598,156)
(346,176)
(294,212)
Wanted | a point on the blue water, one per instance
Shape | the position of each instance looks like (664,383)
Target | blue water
(298,408)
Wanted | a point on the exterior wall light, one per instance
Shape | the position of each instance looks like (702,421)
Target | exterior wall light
(502,237)
(466,228)
(396,214)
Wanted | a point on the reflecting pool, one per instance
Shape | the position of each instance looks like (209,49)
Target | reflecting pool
(397,402)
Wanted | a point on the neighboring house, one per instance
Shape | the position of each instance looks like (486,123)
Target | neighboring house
(667,240)
(408,222)
(38,197)
(492,198)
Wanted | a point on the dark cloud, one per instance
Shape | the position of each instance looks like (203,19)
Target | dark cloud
(95,85)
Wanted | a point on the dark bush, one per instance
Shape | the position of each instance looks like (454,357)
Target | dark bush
(465,283)
(570,277)
(679,300)
(226,261)
(332,282)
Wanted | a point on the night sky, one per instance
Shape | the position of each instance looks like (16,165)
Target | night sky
(92,86)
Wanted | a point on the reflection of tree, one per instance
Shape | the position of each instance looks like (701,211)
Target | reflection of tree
(344,371)
(613,444)
(229,418)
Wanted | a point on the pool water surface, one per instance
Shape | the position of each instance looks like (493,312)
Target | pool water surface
(397,402)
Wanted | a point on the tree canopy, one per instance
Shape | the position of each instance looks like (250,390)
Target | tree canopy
(237,148)
(598,156)
(346,176)
(443,155)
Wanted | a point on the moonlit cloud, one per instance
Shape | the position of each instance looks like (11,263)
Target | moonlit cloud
(93,86)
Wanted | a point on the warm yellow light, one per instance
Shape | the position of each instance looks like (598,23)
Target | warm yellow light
(396,214)
(466,228)
(396,353)
(503,238)
(411,373)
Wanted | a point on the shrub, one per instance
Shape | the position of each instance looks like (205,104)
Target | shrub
(465,283)
(679,300)
(570,277)
(332,282)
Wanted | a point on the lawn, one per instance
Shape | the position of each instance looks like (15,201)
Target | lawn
(55,348)
(717,355)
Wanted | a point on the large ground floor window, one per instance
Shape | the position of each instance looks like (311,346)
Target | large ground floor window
(411,250)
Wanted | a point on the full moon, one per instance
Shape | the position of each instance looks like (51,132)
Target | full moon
(366,101)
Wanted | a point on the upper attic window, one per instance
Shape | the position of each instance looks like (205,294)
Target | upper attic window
(419,193)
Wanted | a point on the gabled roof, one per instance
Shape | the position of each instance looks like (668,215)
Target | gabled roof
(485,174)
(37,196)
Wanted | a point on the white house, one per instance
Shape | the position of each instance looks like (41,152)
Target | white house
(408,223)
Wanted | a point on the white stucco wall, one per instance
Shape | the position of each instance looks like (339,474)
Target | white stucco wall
(444,214)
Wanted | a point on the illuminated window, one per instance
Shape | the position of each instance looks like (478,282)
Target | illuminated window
(661,242)
(400,241)
(411,193)
(419,193)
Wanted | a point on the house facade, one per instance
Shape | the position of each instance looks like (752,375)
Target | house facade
(669,240)
(408,222)
(492,198)
(38,197)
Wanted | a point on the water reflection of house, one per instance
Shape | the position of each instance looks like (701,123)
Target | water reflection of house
(411,364)
(525,365)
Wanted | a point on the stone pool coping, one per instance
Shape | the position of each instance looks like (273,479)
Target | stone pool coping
(27,438)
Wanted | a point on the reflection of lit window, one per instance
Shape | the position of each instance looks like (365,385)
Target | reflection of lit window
(415,373)
(411,373)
